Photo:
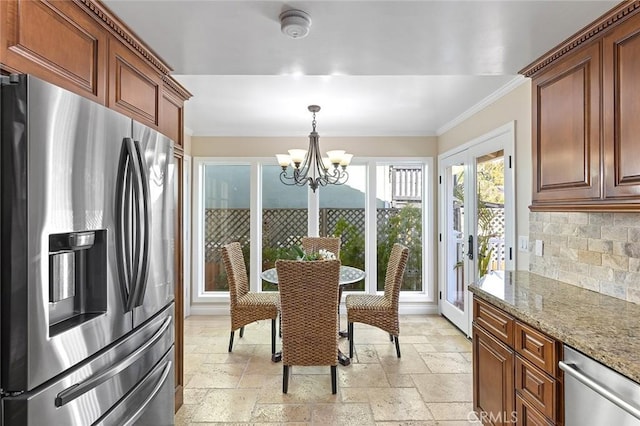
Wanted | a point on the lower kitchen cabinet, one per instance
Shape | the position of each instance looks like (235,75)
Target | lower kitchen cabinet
(493,396)
(516,379)
(528,416)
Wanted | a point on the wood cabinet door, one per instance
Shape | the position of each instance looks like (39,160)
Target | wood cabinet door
(134,86)
(566,128)
(621,101)
(171,116)
(57,42)
(529,416)
(493,379)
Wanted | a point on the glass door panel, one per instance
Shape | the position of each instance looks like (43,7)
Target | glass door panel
(455,237)
(490,213)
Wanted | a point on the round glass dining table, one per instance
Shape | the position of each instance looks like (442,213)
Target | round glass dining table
(348,275)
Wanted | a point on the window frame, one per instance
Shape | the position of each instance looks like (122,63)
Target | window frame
(413,302)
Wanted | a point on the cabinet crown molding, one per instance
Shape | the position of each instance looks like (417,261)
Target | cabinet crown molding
(109,20)
(606,21)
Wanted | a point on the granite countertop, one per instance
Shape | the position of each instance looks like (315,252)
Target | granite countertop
(603,327)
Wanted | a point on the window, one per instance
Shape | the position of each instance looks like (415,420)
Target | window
(342,213)
(382,203)
(399,219)
(284,218)
(226,219)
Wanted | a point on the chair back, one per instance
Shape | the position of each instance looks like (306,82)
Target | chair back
(309,311)
(236,272)
(395,272)
(315,244)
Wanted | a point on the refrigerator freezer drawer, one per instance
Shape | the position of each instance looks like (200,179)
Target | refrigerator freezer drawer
(150,402)
(114,388)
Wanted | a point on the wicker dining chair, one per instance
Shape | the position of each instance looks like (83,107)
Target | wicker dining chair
(309,314)
(315,244)
(380,310)
(246,306)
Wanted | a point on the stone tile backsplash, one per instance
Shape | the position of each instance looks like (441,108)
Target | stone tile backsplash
(597,251)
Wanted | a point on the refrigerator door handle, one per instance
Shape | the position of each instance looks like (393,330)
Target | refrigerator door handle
(145,228)
(79,389)
(129,210)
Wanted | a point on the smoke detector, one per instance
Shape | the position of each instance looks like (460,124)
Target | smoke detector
(295,23)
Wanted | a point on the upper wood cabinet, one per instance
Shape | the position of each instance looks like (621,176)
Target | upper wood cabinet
(172,113)
(81,46)
(134,87)
(585,104)
(57,42)
(621,109)
(566,128)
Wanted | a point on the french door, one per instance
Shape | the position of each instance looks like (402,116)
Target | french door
(477,224)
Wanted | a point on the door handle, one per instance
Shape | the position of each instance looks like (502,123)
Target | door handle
(601,389)
(470,249)
(144,226)
(79,389)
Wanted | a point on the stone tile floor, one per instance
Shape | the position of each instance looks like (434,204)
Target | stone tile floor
(429,385)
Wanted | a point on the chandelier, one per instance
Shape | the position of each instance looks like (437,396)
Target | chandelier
(309,167)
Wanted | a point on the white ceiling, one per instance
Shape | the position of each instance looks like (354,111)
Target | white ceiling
(377,68)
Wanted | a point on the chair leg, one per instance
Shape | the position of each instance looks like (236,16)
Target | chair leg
(285,378)
(231,341)
(391,337)
(334,379)
(241,332)
(397,346)
(350,329)
(273,336)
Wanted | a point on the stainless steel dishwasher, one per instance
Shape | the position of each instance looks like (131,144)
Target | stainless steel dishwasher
(595,395)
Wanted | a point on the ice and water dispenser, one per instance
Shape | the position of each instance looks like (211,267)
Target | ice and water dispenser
(77,278)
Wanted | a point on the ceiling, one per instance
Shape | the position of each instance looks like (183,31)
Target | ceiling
(377,68)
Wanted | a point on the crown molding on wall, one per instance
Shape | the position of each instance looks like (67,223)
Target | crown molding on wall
(502,91)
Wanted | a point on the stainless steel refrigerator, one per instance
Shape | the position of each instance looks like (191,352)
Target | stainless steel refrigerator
(86,262)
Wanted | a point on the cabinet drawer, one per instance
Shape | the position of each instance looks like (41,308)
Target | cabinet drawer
(536,387)
(536,347)
(529,416)
(493,320)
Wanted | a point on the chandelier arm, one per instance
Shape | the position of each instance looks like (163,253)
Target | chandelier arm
(291,179)
(337,177)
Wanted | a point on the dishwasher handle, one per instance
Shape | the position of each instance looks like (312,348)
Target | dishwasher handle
(573,371)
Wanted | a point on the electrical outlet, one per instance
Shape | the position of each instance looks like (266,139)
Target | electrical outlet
(539,247)
(523,243)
